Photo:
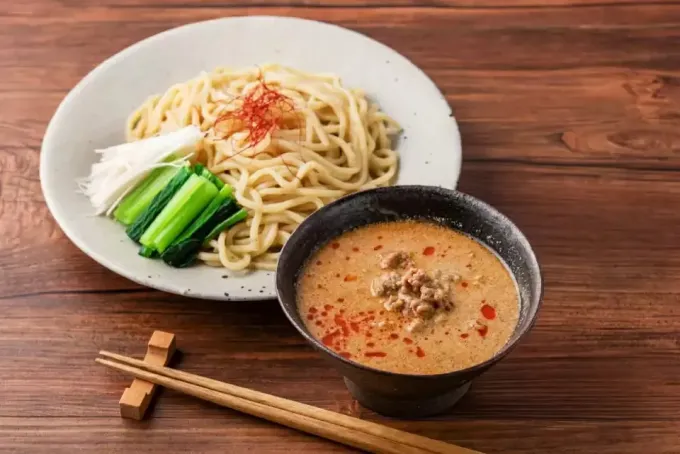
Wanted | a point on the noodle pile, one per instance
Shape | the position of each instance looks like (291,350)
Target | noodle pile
(331,142)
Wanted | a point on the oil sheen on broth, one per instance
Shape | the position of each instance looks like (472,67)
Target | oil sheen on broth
(409,297)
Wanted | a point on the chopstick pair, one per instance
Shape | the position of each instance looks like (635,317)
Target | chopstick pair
(340,428)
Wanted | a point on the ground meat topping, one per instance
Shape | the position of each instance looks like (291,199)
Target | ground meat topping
(415,293)
(396,260)
(385,284)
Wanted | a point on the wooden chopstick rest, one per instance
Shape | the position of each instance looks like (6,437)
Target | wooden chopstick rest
(135,399)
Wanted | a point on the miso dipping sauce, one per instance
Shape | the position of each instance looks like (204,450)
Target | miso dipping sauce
(409,297)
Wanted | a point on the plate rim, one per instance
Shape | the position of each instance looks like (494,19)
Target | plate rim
(165,285)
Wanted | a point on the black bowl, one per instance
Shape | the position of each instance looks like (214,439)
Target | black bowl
(404,395)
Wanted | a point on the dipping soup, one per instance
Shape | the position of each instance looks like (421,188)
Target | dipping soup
(408,297)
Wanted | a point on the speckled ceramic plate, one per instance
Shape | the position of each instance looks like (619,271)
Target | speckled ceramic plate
(93,115)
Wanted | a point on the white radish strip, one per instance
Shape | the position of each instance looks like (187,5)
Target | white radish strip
(122,167)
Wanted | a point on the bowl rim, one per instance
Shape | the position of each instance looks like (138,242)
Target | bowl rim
(452,193)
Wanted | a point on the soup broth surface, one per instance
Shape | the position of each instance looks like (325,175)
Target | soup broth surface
(409,297)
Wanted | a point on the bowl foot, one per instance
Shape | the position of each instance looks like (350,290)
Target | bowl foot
(406,407)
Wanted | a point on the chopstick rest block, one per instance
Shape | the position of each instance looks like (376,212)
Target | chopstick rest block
(136,399)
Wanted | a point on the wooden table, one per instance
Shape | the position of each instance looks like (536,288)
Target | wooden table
(570,120)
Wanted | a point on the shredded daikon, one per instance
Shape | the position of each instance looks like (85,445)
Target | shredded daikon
(122,167)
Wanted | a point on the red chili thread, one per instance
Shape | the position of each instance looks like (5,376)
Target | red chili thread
(261,112)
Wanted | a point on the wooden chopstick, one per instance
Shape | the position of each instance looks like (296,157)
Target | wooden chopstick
(335,426)
(283,417)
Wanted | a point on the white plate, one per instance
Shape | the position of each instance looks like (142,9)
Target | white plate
(93,115)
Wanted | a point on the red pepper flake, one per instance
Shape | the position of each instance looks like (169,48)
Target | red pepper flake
(370,344)
(483,330)
(342,311)
(362,313)
(483,301)
(354,326)
(310,316)
(371,312)
(446,333)
(464,284)
(408,340)
(324,313)
(369,334)
(419,352)
(345,355)
(318,262)
(335,245)
(428,250)
(488,312)
(342,324)
(378,247)
(328,307)
(319,286)
(394,336)
(337,274)
(350,278)
(355,249)
(312,310)
(330,337)
(375,354)
(318,323)
(341,300)
(410,350)
(381,313)
(464,336)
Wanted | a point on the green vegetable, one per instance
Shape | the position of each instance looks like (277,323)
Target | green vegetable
(200,170)
(197,228)
(132,206)
(146,218)
(183,208)
(235,218)
(147,252)
(184,249)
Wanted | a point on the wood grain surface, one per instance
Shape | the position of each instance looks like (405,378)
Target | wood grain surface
(570,117)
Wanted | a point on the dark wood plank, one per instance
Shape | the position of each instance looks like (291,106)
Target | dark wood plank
(569,113)
(30,6)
